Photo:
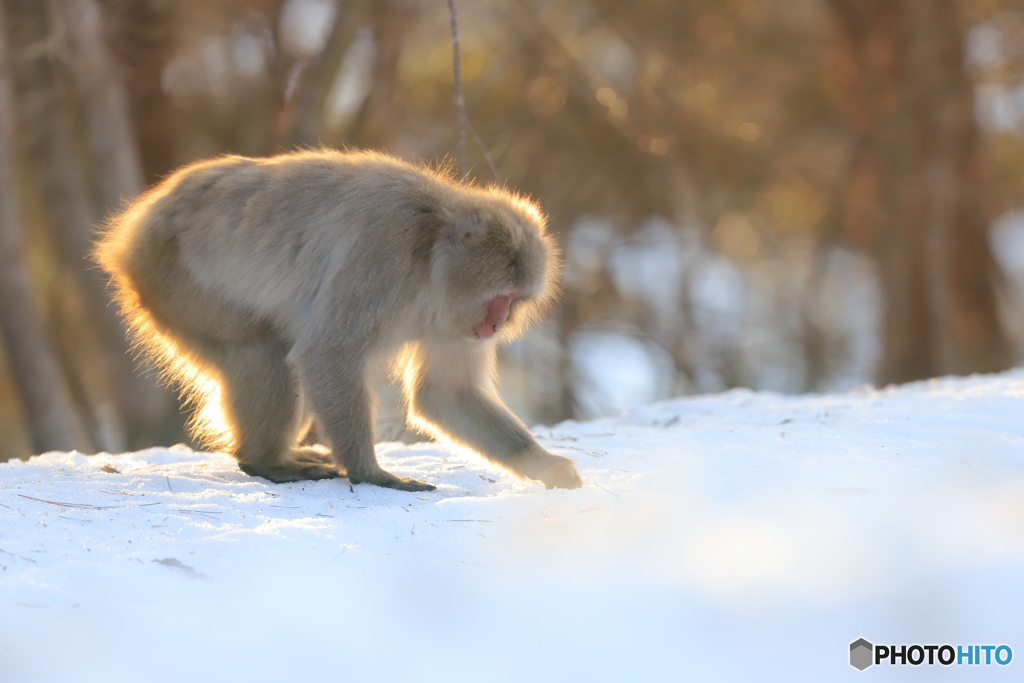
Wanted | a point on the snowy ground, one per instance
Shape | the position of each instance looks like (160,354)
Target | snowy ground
(737,537)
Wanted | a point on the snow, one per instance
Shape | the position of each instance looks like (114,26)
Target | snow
(736,537)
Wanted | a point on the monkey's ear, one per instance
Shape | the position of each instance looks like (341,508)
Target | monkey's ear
(465,228)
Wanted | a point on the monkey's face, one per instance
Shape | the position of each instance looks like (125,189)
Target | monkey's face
(499,266)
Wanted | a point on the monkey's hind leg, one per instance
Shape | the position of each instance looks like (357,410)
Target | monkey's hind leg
(261,402)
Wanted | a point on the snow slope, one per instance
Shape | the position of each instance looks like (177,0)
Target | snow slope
(737,537)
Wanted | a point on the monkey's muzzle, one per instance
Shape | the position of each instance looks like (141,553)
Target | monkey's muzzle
(497,314)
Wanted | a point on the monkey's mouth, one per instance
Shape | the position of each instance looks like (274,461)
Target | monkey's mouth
(497,314)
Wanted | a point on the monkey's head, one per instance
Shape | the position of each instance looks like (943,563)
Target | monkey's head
(495,262)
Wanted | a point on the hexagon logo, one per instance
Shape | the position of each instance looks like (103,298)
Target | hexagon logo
(861,654)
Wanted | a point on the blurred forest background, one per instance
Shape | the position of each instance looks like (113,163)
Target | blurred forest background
(793,195)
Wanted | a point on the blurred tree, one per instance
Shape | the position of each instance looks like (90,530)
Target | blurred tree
(52,420)
(379,121)
(117,171)
(141,36)
(121,401)
(302,121)
(914,197)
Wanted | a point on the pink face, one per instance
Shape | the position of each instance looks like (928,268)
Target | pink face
(497,314)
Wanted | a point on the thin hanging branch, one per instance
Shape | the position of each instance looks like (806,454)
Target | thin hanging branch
(487,155)
(460,101)
(460,104)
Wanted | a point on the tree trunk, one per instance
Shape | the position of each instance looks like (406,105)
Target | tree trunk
(118,178)
(378,121)
(913,199)
(141,39)
(301,122)
(108,127)
(52,420)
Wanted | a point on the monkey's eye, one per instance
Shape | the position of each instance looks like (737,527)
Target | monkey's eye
(468,229)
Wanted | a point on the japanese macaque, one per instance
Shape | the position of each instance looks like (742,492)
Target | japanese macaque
(272,288)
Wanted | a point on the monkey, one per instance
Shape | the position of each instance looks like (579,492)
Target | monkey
(271,289)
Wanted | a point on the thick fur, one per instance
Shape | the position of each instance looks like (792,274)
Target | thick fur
(269,290)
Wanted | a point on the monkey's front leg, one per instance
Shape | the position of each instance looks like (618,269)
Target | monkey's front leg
(472,418)
(555,471)
(448,393)
(334,382)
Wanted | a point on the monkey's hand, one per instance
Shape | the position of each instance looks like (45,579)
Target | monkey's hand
(554,471)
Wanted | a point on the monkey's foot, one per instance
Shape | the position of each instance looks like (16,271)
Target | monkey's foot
(390,481)
(554,471)
(304,464)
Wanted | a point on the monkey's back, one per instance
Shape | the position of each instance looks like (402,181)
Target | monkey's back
(267,234)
